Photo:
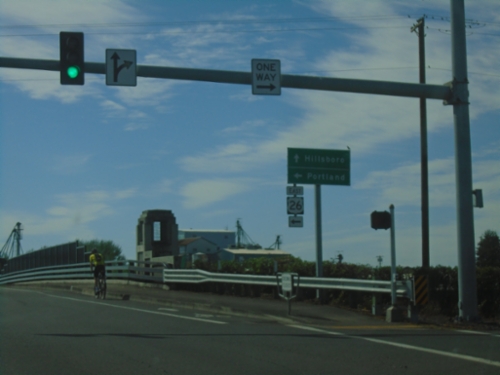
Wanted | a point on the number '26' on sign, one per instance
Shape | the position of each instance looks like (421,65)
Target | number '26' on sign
(295,205)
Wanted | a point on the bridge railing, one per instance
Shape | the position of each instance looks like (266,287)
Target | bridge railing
(155,272)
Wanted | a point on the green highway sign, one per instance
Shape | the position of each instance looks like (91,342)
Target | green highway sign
(319,167)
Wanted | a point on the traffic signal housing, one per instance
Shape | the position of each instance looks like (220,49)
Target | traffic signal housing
(72,62)
(380,220)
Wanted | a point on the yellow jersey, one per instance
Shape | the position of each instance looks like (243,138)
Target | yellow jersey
(96,259)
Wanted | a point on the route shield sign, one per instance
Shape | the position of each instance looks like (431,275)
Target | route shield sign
(266,77)
(319,167)
(295,205)
(121,67)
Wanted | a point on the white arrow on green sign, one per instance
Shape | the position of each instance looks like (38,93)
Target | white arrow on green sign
(319,167)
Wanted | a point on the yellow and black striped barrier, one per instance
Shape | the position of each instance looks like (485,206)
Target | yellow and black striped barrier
(421,290)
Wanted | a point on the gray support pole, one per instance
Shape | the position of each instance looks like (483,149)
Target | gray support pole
(319,245)
(423,148)
(18,239)
(393,257)
(467,289)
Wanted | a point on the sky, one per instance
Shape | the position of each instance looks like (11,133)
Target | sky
(83,162)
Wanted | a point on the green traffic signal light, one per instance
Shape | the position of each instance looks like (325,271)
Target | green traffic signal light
(71,58)
(73,72)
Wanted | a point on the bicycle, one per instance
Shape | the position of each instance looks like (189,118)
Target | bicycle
(101,286)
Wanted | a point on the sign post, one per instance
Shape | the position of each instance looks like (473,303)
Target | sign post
(287,281)
(319,238)
(319,167)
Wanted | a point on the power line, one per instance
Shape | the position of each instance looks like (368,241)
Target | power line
(235,22)
(447,31)
(217,31)
(446,18)
(203,22)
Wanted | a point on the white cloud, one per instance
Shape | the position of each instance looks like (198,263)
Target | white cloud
(135,126)
(162,187)
(231,158)
(72,213)
(110,105)
(69,164)
(205,192)
(42,13)
(245,127)
(401,186)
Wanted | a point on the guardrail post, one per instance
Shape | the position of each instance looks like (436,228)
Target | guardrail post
(376,307)
(413,308)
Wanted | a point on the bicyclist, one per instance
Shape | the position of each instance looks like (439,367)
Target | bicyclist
(96,265)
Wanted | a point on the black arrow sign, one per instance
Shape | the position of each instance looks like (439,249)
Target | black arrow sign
(271,87)
(116,68)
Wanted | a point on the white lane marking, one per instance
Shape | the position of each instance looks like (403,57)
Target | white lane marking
(135,309)
(16,289)
(405,346)
(476,332)
(204,315)
(167,309)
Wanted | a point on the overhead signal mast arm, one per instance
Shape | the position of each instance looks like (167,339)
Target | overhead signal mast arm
(416,90)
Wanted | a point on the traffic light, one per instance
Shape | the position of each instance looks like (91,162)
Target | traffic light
(72,63)
(380,220)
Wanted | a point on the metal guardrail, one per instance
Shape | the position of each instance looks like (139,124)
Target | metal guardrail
(123,269)
(160,273)
(404,288)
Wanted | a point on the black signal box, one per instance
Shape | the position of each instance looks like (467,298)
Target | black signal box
(380,220)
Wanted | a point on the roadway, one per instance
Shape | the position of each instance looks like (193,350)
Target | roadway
(46,331)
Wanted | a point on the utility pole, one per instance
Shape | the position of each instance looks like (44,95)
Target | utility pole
(418,28)
(467,283)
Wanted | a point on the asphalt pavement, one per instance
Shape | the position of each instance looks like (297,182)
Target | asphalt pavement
(263,308)
(56,327)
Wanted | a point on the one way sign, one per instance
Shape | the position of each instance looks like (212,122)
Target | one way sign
(121,67)
(266,77)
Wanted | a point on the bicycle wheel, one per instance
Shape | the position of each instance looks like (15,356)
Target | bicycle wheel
(102,286)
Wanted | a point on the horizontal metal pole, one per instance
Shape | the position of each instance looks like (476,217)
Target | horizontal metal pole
(416,90)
